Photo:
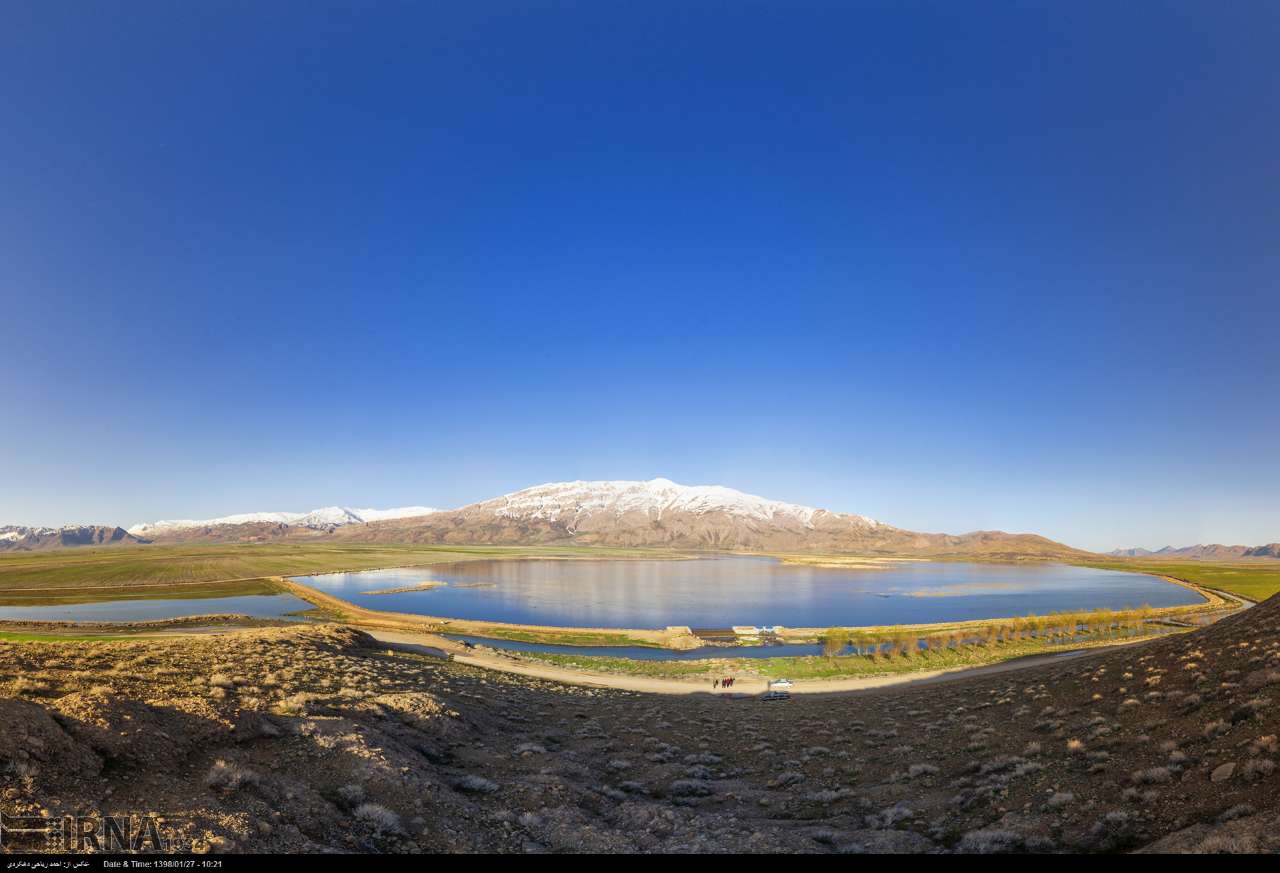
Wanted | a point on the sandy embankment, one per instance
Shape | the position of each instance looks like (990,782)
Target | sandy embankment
(671,638)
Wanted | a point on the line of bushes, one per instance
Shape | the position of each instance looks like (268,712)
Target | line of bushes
(1097,624)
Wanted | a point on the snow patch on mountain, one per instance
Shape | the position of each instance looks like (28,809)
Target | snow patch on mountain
(14,532)
(568,501)
(368,515)
(325,517)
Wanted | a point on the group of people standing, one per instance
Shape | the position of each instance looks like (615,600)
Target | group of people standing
(726,682)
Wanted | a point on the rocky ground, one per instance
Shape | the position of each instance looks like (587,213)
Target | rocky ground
(315,739)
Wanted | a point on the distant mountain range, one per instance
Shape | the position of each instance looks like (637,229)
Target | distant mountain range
(1211,552)
(325,519)
(20,537)
(660,512)
(657,513)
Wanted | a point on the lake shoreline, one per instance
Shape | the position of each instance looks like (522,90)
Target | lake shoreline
(727,595)
(677,637)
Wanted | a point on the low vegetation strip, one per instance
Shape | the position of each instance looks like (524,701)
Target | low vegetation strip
(837,666)
(189,591)
(406,589)
(1254,581)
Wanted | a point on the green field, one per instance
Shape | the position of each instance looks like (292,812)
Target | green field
(119,572)
(60,596)
(12,637)
(1252,581)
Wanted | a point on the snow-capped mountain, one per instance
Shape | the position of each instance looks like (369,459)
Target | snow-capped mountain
(24,538)
(325,518)
(656,513)
(662,513)
(576,502)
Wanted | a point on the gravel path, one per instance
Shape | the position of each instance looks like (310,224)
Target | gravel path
(439,647)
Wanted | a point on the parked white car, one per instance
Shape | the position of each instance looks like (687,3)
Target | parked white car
(781,684)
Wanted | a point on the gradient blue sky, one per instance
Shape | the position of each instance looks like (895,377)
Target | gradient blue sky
(952,265)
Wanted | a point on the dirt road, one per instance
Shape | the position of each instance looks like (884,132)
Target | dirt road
(439,647)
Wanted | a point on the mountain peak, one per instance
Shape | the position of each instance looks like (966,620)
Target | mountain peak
(1202,551)
(654,512)
(24,538)
(323,518)
(570,501)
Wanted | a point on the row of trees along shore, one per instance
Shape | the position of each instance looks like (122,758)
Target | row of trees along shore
(886,643)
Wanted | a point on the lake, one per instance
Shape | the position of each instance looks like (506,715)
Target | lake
(725,591)
(141,609)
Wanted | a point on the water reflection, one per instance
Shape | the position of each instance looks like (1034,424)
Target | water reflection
(721,592)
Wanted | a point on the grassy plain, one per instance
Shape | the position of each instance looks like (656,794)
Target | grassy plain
(113,573)
(1253,581)
(23,637)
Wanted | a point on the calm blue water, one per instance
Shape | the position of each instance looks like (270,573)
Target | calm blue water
(254,605)
(721,592)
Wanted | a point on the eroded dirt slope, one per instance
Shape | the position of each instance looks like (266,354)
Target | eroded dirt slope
(314,739)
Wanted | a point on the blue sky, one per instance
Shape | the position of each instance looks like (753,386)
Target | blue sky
(952,265)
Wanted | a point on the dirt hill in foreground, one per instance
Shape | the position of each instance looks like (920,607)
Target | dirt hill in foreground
(311,739)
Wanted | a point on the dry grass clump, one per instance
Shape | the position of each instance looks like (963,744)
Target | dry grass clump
(990,841)
(296,704)
(917,770)
(24,687)
(1263,745)
(1059,800)
(351,794)
(1215,729)
(1240,810)
(378,817)
(1113,831)
(476,784)
(1256,769)
(228,776)
(1227,844)
(1152,776)
(687,788)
